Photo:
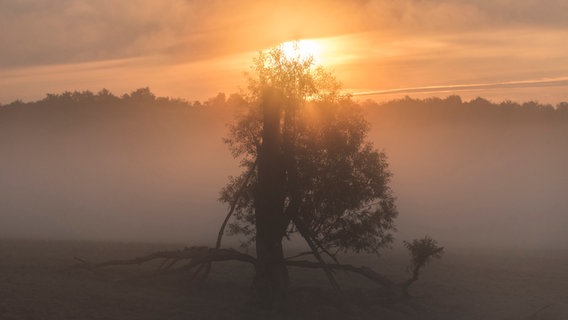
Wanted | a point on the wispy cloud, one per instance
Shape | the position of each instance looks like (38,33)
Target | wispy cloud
(558,82)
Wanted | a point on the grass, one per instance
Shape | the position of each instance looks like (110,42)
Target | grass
(37,283)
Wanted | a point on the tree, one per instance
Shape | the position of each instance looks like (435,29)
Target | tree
(308,169)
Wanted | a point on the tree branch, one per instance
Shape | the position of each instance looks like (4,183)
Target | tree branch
(197,255)
(238,194)
(306,235)
(201,255)
(299,255)
(363,271)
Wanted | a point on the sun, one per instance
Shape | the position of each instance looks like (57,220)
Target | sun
(302,49)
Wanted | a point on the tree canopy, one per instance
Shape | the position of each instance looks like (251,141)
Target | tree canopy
(336,190)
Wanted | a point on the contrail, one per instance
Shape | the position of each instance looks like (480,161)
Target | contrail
(556,82)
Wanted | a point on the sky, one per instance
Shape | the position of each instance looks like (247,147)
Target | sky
(379,49)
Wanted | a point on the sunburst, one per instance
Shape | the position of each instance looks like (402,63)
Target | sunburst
(302,49)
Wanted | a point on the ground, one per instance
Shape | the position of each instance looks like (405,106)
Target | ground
(36,282)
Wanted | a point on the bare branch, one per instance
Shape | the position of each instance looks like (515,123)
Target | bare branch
(307,236)
(197,255)
(363,271)
(300,255)
(234,204)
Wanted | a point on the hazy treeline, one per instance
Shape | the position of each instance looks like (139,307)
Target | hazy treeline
(141,167)
(453,108)
(84,165)
(477,172)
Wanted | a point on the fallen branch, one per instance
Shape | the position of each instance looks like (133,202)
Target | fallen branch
(196,255)
(422,251)
(199,256)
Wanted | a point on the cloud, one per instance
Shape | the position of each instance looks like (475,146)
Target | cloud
(71,31)
(380,43)
(462,15)
(539,83)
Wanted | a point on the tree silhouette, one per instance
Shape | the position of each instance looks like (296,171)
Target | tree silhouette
(422,251)
(314,172)
(308,170)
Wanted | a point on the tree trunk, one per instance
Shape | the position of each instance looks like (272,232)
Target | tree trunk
(271,280)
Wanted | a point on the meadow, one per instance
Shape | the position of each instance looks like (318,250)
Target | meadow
(39,282)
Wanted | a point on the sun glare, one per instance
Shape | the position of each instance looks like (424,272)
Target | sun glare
(302,49)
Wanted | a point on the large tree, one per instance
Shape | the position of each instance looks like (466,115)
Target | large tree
(308,169)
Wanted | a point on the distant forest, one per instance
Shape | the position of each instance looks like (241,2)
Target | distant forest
(145,95)
(476,165)
(450,108)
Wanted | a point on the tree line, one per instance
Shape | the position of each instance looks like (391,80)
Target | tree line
(452,107)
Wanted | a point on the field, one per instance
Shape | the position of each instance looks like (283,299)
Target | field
(37,282)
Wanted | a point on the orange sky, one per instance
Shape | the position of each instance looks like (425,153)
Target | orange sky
(193,49)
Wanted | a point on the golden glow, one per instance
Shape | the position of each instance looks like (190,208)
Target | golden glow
(302,49)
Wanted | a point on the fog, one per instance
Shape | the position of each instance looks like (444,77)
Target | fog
(468,175)
(139,173)
(474,175)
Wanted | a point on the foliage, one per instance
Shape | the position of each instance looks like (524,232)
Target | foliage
(341,183)
(423,251)
(297,78)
